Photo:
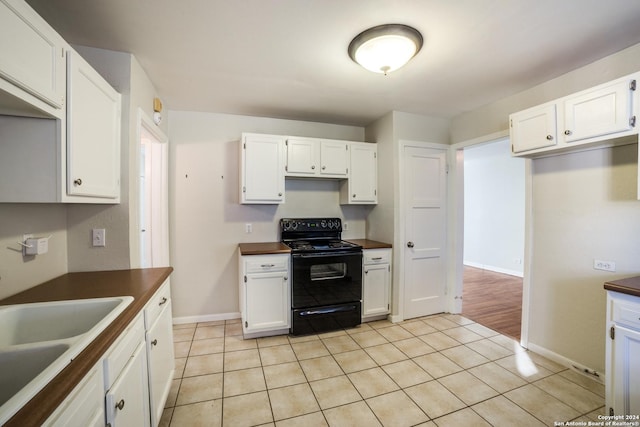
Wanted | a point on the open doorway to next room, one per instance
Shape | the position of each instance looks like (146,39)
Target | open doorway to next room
(494,209)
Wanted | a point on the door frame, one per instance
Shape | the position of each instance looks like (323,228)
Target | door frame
(400,238)
(456,228)
(142,120)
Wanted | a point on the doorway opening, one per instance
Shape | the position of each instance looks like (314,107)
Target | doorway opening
(153,196)
(494,236)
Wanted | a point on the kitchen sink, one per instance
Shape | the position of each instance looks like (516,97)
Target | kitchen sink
(47,321)
(38,340)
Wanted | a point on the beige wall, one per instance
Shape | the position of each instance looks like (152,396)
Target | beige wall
(41,220)
(126,75)
(384,222)
(584,208)
(206,220)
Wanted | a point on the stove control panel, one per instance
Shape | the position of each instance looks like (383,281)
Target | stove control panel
(311,224)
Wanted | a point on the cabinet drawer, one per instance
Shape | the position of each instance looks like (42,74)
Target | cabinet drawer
(376,256)
(260,263)
(121,351)
(626,313)
(156,304)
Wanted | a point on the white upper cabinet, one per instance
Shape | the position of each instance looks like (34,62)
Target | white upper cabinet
(534,128)
(262,169)
(362,185)
(592,117)
(303,157)
(602,111)
(310,157)
(31,56)
(93,133)
(334,158)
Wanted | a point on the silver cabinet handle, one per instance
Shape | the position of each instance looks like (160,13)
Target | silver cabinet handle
(313,167)
(410,244)
(267,265)
(162,301)
(354,195)
(567,132)
(120,404)
(549,137)
(77,182)
(376,258)
(324,167)
(154,342)
(279,194)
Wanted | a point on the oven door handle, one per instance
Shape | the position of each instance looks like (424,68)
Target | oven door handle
(329,310)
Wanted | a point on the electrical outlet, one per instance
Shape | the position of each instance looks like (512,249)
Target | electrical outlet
(98,237)
(604,265)
(248,228)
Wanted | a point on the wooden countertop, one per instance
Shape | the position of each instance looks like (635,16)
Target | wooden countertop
(264,248)
(141,284)
(370,244)
(629,286)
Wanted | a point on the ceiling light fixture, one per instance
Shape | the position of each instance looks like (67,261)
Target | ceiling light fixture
(385,48)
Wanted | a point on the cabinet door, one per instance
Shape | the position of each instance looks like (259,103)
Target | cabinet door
(31,53)
(363,176)
(93,133)
(262,169)
(267,301)
(161,362)
(302,157)
(84,407)
(626,371)
(375,289)
(334,158)
(534,128)
(127,401)
(601,111)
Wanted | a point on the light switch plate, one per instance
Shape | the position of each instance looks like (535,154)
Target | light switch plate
(98,237)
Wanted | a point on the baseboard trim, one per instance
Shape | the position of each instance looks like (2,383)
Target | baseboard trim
(494,268)
(571,364)
(205,318)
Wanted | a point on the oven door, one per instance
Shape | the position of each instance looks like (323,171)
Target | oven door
(326,278)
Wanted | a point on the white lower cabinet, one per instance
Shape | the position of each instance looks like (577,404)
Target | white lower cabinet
(84,407)
(126,401)
(160,355)
(623,354)
(265,302)
(376,283)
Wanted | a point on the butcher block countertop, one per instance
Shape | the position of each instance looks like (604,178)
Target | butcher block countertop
(630,286)
(265,248)
(369,244)
(141,284)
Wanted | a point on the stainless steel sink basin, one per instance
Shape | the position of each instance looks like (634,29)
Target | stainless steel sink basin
(38,340)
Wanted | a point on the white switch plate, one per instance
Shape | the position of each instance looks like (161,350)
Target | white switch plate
(604,265)
(248,228)
(98,237)
(345,226)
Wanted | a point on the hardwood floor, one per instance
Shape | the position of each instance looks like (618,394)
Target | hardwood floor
(493,300)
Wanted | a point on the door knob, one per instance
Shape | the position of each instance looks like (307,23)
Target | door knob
(409,244)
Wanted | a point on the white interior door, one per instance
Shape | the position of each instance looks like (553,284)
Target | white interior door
(154,198)
(424,195)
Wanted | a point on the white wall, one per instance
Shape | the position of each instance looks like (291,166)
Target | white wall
(494,208)
(206,220)
(584,207)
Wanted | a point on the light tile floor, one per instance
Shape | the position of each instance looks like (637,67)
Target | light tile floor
(442,370)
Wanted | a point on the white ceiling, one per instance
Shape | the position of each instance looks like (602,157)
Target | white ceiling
(288,58)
